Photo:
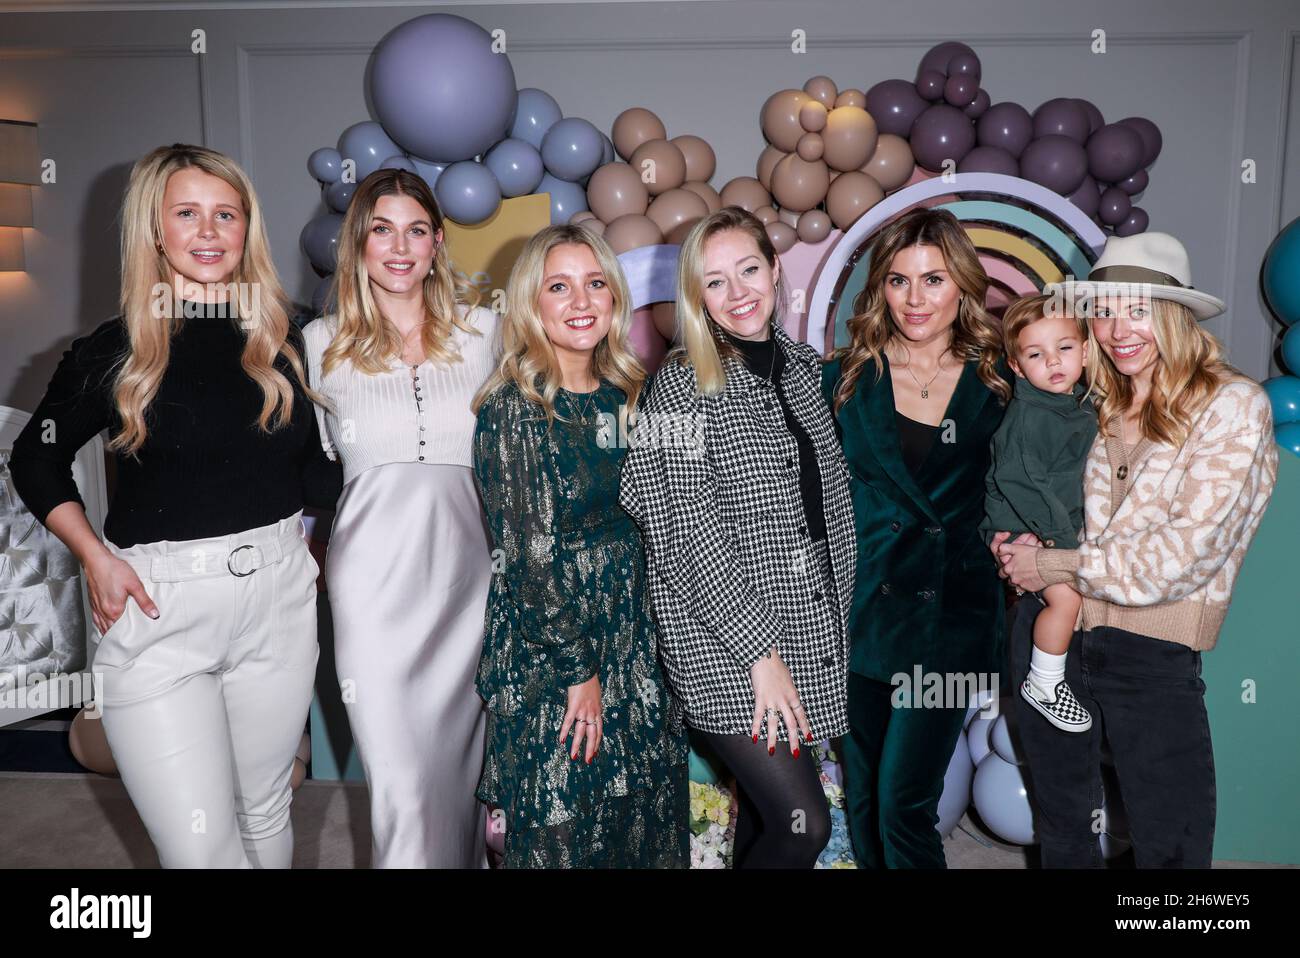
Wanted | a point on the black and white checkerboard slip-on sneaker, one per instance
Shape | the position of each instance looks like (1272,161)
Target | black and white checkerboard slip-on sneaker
(1063,711)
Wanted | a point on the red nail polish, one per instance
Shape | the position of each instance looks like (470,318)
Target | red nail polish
(755,739)
(795,754)
(771,750)
(588,761)
(807,736)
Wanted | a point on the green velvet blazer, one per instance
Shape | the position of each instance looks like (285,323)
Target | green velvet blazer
(927,592)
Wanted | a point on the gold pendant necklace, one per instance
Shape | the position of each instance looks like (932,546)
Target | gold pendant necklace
(925,389)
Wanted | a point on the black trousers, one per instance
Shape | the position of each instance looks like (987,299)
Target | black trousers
(1148,701)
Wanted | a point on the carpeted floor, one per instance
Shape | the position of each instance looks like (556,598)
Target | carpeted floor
(87,821)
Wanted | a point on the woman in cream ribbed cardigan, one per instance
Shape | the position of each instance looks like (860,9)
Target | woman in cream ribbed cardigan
(408,566)
(1174,489)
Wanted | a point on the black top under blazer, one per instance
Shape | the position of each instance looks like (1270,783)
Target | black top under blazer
(727,544)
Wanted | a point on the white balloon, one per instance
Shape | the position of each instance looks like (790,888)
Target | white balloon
(1000,739)
(977,738)
(956,788)
(1002,801)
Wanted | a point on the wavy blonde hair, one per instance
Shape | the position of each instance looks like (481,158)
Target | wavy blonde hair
(363,335)
(1189,369)
(703,346)
(527,356)
(975,334)
(264,316)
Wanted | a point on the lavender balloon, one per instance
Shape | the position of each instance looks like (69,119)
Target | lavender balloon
(895,105)
(572,148)
(1115,206)
(1006,125)
(536,113)
(467,192)
(367,145)
(1136,222)
(1062,117)
(1087,197)
(1114,152)
(516,165)
(1057,162)
(325,165)
(929,83)
(439,89)
(566,198)
(977,107)
(941,133)
(989,159)
(1152,141)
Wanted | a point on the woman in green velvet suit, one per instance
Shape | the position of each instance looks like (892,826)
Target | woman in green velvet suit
(916,397)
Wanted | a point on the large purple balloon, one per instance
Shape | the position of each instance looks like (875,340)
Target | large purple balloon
(367,145)
(1056,162)
(941,133)
(572,148)
(467,192)
(320,241)
(566,198)
(1152,141)
(1137,222)
(1007,126)
(1062,117)
(989,159)
(895,105)
(1135,184)
(439,89)
(977,107)
(1115,206)
(535,113)
(938,57)
(1087,197)
(1095,119)
(1114,152)
(929,83)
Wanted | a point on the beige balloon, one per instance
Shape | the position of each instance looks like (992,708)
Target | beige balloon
(812,116)
(581,215)
(779,118)
(814,226)
(633,127)
(811,147)
(664,316)
(706,193)
(822,89)
(852,97)
(799,185)
(850,137)
(595,225)
(677,235)
(850,196)
(782,235)
(789,217)
(632,232)
(660,165)
(89,745)
(671,209)
(767,160)
(615,190)
(701,161)
(892,164)
(766,214)
(745,192)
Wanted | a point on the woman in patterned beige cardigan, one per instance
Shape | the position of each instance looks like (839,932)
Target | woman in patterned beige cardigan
(1174,489)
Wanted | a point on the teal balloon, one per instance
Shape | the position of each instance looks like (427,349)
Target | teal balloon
(1282,274)
(1288,437)
(1291,349)
(1284,394)
(701,771)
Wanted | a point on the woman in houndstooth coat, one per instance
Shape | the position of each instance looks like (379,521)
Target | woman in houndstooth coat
(741,491)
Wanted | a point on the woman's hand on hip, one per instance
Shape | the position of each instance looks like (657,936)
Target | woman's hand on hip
(111,583)
(584,717)
(774,693)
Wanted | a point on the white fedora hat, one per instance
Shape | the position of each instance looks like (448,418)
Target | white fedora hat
(1153,265)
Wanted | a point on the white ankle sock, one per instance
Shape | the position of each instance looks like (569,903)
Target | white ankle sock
(1046,670)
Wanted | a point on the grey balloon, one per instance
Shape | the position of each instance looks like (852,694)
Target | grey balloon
(1062,117)
(399,162)
(429,172)
(989,159)
(467,192)
(1005,125)
(339,195)
(941,133)
(536,113)
(572,148)
(895,105)
(367,145)
(607,153)
(325,164)
(567,198)
(439,88)
(319,242)
(517,166)
(321,294)
(1115,152)
(1056,162)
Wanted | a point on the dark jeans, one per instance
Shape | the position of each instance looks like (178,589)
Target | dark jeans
(1148,701)
(894,763)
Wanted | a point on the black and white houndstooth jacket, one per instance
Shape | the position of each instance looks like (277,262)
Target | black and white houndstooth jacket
(713,483)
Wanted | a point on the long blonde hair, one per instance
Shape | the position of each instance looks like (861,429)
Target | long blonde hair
(703,346)
(263,316)
(363,336)
(975,334)
(1189,369)
(527,356)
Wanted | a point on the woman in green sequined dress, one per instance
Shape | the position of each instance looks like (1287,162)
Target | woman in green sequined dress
(586,752)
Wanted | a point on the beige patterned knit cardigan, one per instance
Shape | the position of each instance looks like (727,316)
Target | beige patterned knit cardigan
(1164,538)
